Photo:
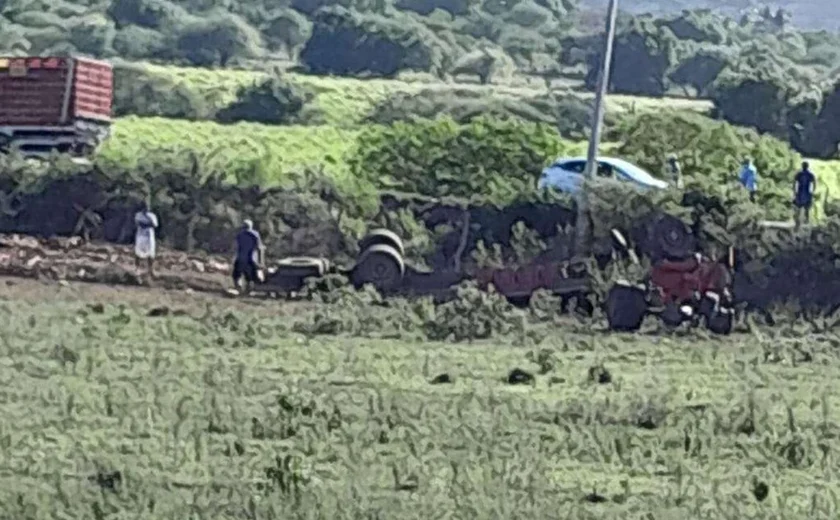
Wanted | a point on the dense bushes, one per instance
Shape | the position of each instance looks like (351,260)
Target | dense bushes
(136,92)
(571,115)
(270,99)
(344,42)
(487,158)
(710,153)
(792,110)
(197,211)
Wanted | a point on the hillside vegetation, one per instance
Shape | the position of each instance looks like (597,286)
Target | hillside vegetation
(322,119)
(758,69)
(810,14)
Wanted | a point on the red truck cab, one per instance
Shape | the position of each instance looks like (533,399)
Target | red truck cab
(49,104)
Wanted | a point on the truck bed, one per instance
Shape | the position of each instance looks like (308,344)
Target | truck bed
(53,91)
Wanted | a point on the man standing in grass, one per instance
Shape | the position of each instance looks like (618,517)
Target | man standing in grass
(804,185)
(144,238)
(249,256)
(749,177)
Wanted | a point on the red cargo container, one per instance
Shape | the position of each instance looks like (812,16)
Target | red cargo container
(52,103)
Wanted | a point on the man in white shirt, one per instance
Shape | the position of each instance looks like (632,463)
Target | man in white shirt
(144,238)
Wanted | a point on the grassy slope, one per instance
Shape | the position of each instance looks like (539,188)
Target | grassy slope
(262,153)
(340,104)
(170,401)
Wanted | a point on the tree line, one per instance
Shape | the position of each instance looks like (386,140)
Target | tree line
(759,70)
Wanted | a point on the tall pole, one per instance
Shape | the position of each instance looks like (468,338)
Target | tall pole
(582,222)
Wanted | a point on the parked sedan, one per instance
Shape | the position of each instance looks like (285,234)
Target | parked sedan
(566,174)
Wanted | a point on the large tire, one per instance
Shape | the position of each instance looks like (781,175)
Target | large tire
(381,266)
(721,322)
(670,238)
(671,315)
(382,237)
(301,267)
(626,307)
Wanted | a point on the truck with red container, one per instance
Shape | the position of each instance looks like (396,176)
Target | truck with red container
(54,104)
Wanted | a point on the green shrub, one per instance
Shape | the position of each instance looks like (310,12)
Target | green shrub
(571,115)
(474,314)
(137,92)
(271,101)
(346,42)
(487,65)
(218,39)
(488,158)
(710,152)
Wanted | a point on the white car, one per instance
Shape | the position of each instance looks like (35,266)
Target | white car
(566,174)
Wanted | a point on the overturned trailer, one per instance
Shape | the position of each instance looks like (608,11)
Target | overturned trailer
(682,285)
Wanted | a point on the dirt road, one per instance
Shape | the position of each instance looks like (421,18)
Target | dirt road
(71,260)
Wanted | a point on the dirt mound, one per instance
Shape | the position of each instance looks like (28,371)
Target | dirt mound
(71,259)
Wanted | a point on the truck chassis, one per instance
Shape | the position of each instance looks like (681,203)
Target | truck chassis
(680,287)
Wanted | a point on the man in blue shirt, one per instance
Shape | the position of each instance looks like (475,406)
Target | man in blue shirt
(749,178)
(249,255)
(804,185)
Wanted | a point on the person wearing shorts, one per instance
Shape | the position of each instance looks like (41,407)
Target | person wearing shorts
(804,185)
(144,238)
(249,256)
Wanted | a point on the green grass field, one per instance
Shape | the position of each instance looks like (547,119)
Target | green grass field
(345,101)
(223,412)
(244,151)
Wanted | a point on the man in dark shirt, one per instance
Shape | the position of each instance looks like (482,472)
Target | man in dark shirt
(249,255)
(804,185)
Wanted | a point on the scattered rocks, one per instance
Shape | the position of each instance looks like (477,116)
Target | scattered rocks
(237,448)
(648,421)
(65,355)
(760,490)
(23,242)
(599,374)
(215,266)
(518,376)
(595,498)
(32,262)
(109,481)
(159,312)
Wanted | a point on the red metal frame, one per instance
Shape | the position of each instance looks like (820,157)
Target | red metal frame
(679,281)
(524,281)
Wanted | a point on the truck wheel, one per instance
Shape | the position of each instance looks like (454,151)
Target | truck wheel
(301,267)
(382,237)
(626,308)
(721,321)
(520,302)
(671,315)
(381,266)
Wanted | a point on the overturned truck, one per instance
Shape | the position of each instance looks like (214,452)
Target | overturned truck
(682,285)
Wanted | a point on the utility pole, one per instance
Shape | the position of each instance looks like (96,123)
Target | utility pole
(582,221)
